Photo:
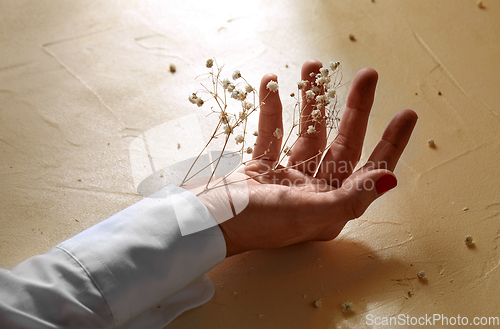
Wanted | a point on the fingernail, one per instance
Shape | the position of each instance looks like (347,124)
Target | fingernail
(385,183)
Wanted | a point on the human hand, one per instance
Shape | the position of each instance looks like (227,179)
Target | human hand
(310,199)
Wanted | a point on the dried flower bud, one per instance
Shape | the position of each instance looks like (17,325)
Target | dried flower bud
(311,130)
(209,63)
(236,75)
(249,150)
(247,105)
(316,114)
(272,86)
(278,133)
(228,129)
(292,94)
(226,83)
(321,81)
(243,115)
(199,102)
(239,139)
(193,98)
(256,133)
(302,84)
(287,151)
(334,65)
(223,118)
(310,94)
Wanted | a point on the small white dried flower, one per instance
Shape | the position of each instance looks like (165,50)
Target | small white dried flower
(236,75)
(230,88)
(247,105)
(347,306)
(193,98)
(249,88)
(272,86)
(316,89)
(256,133)
(223,118)
(316,114)
(226,83)
(249,150)
(421,274)
(468,240)
(243,115)
(312,74)
(239,139)
(334,65)
(239,95)
(228,129)
(332,93)
(199,102)
(310,94)
(302,84)
(321,81)
(278,133)
(323,99)
(311,129)
(324,71)
(209,63)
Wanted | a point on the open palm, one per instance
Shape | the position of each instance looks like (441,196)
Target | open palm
(313,197)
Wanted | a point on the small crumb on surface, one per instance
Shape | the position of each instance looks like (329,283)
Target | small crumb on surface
(352,37)
(468,240)
(466,208)
(439,93)
(172,68)
(261,315)
(317,304)
(347,306)
(178,146)
(421,274)
(480,4)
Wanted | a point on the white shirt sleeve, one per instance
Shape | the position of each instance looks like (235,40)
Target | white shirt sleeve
(133,270)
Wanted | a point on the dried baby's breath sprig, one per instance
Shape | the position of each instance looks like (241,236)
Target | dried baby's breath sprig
(272,86)
(320,94)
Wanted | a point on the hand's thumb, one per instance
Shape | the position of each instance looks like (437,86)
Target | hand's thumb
(362,188)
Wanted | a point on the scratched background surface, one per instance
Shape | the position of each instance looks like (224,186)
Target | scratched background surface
(79,80)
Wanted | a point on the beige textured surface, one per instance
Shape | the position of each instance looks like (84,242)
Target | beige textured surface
(80,79)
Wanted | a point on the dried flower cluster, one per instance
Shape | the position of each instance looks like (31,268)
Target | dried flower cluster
(237,92)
